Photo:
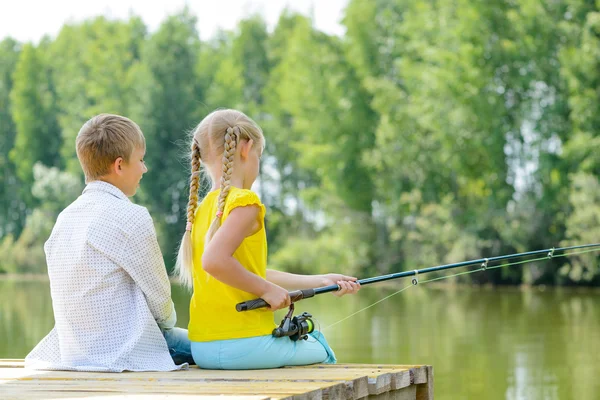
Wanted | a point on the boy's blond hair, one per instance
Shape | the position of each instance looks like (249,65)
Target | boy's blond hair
(103,139)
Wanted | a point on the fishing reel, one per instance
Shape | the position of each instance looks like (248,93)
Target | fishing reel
(296,328)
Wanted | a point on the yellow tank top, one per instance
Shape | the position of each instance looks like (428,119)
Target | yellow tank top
(212,309)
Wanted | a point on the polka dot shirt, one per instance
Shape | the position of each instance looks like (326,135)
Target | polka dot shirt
(109,286)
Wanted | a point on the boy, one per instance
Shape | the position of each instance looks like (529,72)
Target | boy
(110,291)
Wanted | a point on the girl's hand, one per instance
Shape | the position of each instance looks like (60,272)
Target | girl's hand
(276,296)
(347,284)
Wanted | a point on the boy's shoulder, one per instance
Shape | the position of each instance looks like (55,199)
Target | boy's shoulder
(130,213)
(107,207)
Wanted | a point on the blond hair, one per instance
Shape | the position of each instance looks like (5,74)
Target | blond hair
(103,139)
(217,136)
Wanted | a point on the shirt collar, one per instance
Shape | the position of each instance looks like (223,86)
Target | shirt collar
(102,186)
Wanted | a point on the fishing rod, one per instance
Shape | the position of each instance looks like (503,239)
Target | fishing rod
(298,327)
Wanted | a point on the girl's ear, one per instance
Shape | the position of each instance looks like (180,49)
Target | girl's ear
(245,148)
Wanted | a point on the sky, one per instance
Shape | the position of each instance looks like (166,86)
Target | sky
(29,20)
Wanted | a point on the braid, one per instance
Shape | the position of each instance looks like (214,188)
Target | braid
(184,264)
(194,183)
(230,145)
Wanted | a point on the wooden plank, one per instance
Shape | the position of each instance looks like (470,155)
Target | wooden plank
(359,387)
(194,374)
(380,383)
(425,390)
(281,388)
(46,395)
(7,363)
(353,365)
(225,387)
(408,393)
(401,375)
(401,379)
(419,375)
(329,381)
(355,380)
(299,390)
(20,363)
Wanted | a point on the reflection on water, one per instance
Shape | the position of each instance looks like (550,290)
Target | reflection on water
(483,344)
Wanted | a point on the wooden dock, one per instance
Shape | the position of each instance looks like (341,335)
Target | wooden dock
(340,381)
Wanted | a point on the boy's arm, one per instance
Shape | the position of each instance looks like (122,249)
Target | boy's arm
(144,262)
(348,284)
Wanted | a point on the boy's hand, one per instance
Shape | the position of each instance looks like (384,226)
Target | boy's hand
(348,284)
(276,296)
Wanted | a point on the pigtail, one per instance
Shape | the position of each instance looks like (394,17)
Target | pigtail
(231,137)
(184,264)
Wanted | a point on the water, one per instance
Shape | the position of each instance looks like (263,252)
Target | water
(483,344)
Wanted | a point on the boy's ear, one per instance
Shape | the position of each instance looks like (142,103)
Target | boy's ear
(116,166)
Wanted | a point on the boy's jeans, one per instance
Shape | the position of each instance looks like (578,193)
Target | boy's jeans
(179,345)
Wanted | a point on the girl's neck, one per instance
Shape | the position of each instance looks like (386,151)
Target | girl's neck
(235,181)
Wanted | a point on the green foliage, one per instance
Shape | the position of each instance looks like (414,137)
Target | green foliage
(171,109)
(96,67)
(580,68)
(430,132)
(583,226)
(339,248)
(12,210)
(54,190)
(32,105)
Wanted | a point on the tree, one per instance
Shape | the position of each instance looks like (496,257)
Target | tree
(580,61)
(170,56)
(95,66)
(37,136)
(12,209)
(314,91)
(54,190)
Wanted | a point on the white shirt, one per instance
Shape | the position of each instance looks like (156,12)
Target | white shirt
(110,289)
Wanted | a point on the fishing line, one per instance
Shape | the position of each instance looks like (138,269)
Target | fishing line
(483,267)
(369,306)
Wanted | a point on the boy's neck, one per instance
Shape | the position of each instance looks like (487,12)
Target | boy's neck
(112,180)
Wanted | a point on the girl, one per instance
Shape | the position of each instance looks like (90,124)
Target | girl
(223,256)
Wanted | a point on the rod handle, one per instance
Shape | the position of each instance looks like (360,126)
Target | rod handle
(251,305)
(295,295)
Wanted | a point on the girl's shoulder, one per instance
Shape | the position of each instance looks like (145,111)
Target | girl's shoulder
(237,194)
(242,198)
